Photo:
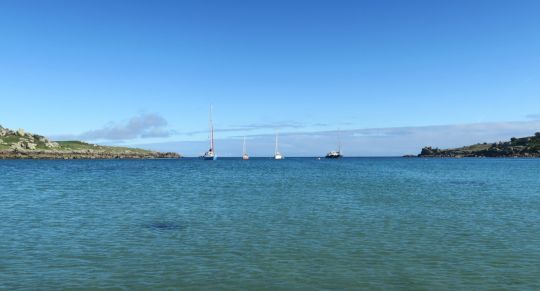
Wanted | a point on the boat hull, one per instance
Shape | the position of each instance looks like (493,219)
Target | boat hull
(334,157)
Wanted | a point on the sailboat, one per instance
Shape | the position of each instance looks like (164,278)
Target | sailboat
(244,153)
(211,153)
(277,154)
(336,154)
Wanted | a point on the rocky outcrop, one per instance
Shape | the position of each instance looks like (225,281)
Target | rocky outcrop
(526,147)
(3,131)
(51,144)
(24,145)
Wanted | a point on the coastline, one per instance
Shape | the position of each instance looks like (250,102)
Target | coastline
(525,147)
(83,154)
(18,144)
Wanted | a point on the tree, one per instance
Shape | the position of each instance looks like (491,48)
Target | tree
(537,134)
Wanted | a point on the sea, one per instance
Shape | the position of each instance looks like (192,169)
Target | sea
(295,224)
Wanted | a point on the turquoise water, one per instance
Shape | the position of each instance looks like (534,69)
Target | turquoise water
(377,223)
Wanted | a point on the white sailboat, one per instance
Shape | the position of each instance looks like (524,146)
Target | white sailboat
(277,154)
(211,153)
(244,153)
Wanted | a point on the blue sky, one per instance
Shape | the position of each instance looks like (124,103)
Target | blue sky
(392,75)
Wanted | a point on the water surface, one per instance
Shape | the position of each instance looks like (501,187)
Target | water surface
(380,223)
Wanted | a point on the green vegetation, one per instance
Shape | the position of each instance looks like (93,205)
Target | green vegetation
(79,145)
(475,147)
(532,142)
(516,147)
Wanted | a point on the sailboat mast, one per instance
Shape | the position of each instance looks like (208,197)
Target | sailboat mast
(277,140)
(211,130)
(339,140)
(244,147)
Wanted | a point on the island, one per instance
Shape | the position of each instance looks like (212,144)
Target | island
(525,147)
(18,144)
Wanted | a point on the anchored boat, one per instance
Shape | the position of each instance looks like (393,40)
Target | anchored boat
(211,153)
(244,153)
(277,154)
(335,154)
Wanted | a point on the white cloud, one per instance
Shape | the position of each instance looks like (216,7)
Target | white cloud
(534,116)
(141,126)
(280,125)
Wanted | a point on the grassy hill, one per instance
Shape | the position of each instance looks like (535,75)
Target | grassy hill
(20,144)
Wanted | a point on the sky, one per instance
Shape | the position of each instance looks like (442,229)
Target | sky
(391,76)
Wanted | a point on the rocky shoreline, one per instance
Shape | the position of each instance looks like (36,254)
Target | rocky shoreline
(82,154)
(429,152)
(526,147)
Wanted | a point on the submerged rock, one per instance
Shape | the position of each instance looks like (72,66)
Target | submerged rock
(165,225)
